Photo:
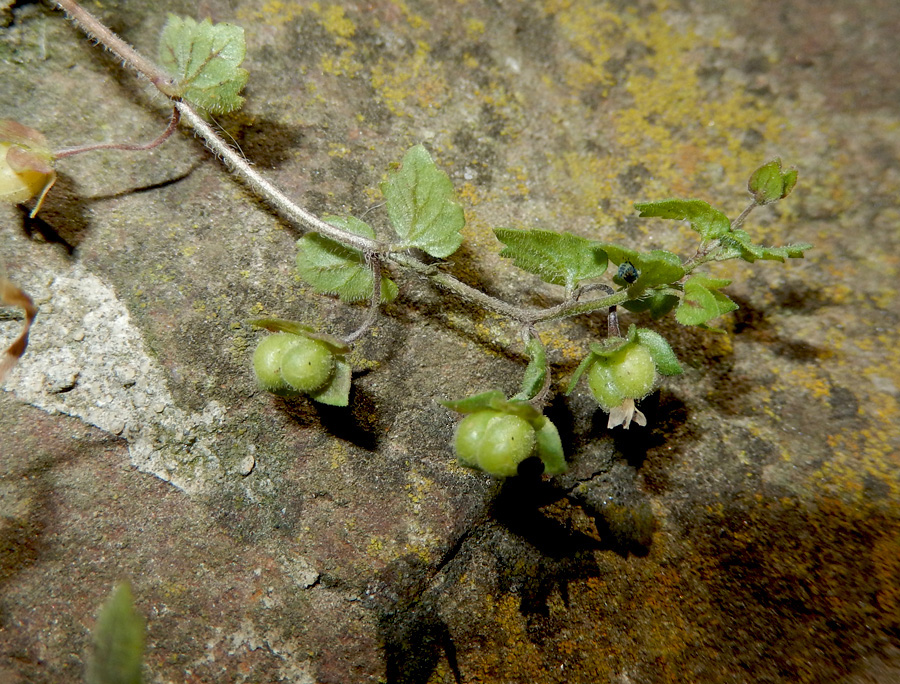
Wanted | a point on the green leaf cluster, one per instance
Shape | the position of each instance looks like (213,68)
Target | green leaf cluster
(423,211)
(204,59)
(557,258)
(770,183)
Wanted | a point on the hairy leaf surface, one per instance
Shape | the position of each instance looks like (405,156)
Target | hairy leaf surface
(205,58)
(557,258)
(422,206)
(702,301)
(331,267)
(709,222)
(118,641)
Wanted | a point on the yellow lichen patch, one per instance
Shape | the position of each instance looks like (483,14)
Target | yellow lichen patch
(335,21)
(591,28)
(514,657)
(812,381)
(474,28)
(411,84)
(344,64)
(674,126)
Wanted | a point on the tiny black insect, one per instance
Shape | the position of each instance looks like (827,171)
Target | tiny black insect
(627,272)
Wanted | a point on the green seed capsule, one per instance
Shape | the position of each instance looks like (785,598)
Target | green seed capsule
(603,386)
(267,360)
(469,435)
(495,442)
(308,365)
(627,374)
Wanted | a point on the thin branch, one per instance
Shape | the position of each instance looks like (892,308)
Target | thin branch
(612,323)
(127,54)
(129,147)
(374,301)
(739,221)
(266,190)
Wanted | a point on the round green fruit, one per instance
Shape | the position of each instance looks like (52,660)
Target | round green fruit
(603,386)
(627,374)
(267,360)
(308,365)
(495,442)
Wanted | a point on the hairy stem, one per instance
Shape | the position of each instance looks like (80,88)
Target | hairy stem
(739,221)
(265,189)
(127,54)
(524,315)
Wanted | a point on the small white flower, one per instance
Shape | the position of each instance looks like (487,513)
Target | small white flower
(624,414)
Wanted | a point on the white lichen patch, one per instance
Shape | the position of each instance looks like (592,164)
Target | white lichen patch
(86,359)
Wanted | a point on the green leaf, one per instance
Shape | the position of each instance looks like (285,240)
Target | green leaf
(479,402)
(703,301)
(495,400)
(204,59)
(663,356)
(549,448)
(657,302)
(118,641)
(558,258)
(336,344)
(337,392)
(710,223)
(331,267)
(422,207)
(739,244)
(769,183)
(657,267)
(535,373)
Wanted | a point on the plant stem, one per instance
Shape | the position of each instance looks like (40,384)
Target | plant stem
(130,147)
(127,54)
(612,323)
(523,315)
(374,301)
(739,221)
(265,189)
(296,214)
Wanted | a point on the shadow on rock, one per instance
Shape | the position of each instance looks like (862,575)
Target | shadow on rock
(562,530)
(356,423)
(414,635)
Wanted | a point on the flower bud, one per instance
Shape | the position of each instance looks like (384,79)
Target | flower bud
(25,164)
